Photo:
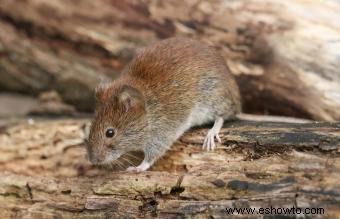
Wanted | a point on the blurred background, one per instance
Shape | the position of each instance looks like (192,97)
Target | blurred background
(284,54)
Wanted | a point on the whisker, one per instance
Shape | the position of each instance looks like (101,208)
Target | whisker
(129,162)
(132,156)
(120,165)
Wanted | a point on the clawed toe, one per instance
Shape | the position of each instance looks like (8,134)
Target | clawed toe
(218,138)
(142,167)
(132,169)
(209,141)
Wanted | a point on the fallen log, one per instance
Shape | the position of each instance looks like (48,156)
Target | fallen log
(44,173)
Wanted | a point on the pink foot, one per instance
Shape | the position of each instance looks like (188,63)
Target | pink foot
(209,141)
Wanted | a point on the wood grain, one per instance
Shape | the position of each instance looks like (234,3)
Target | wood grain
(44,173)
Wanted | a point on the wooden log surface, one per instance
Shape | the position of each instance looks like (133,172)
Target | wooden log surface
(286,60)
(44,173)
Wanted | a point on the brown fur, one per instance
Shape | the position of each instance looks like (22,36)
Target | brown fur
(168,80)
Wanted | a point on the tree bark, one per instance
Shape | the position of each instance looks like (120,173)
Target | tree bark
(286,61)
(44,173)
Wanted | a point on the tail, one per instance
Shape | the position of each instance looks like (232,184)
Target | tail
(263,118)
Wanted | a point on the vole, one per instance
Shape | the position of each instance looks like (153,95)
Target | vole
(165,90)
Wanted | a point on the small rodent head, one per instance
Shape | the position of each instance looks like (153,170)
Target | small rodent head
(119,125)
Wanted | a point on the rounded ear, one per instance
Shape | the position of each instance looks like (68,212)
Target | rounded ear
(131,98)
(103,85)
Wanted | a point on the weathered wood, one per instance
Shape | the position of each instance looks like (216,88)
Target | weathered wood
(44,173)
(285,60)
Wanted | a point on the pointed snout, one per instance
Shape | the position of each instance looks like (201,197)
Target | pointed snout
(96,158)
(92,159)
(94,155)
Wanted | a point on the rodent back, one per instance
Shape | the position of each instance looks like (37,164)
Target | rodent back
(178,72)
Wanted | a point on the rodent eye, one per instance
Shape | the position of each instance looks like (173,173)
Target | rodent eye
(110,132)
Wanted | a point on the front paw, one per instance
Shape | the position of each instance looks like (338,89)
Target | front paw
(134,169)
(142,167)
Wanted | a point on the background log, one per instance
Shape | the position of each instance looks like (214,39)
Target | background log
(286,61)
(44,174)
